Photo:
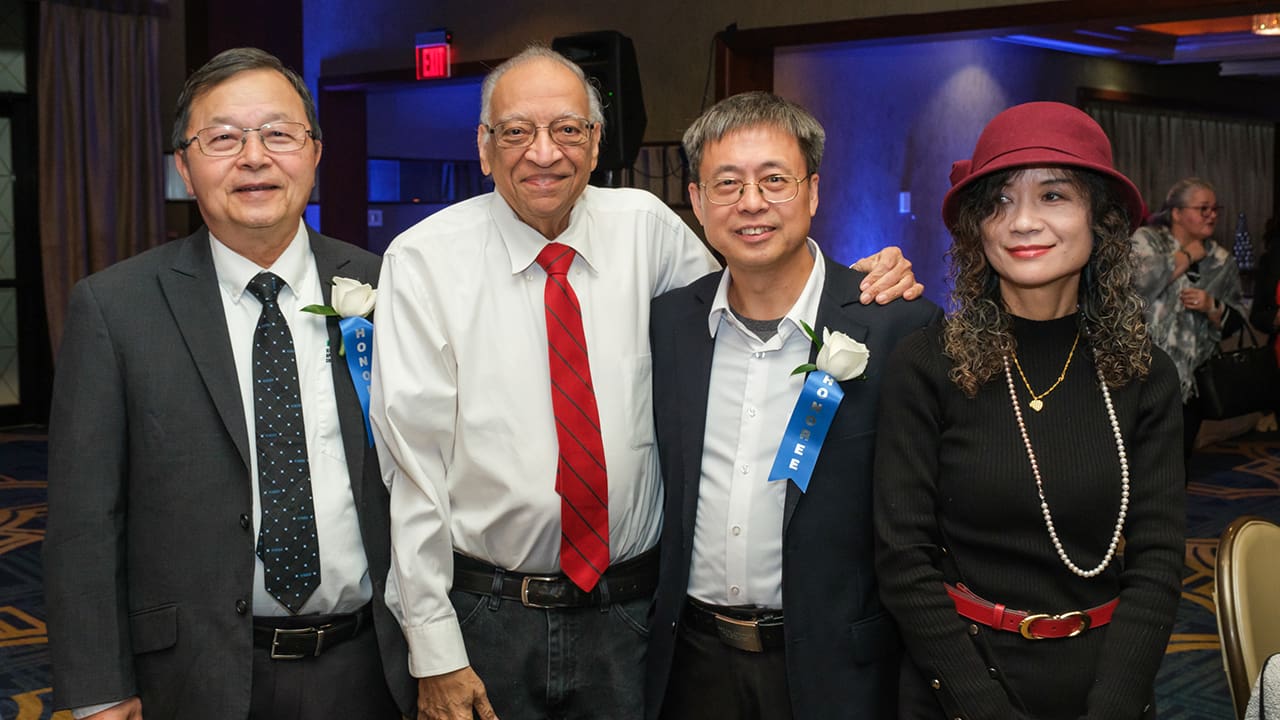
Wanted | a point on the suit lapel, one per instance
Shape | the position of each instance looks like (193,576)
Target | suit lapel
(695,347)
(190,287)
(331,261)
(839,296)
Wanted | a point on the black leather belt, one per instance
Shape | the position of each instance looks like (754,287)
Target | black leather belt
(634,578)
(741,628)
(289,639)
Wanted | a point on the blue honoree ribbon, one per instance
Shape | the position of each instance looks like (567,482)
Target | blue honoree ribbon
(807,428)
(357,342)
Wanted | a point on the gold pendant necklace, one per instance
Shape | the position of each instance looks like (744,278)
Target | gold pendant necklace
(1037,401)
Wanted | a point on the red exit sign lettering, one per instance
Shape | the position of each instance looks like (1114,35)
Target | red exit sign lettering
(432,61)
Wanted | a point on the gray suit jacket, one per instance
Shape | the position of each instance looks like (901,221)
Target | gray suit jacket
(842,648)
(149,552)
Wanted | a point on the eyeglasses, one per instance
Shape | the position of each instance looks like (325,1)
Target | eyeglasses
(565,132)
(225,140)
(773,188)
(1205,210)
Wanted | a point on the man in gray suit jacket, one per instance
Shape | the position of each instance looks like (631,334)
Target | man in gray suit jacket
(767,604)
(172,527)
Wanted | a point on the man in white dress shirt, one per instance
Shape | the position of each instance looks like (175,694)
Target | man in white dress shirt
(472,437)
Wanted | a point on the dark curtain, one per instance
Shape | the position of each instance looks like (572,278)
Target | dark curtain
(101,142)
(1157,147)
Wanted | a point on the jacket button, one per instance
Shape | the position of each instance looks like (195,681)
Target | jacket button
(245,522)
(674,626)
(936,684)
(993,672)
(242,607)
(973,629)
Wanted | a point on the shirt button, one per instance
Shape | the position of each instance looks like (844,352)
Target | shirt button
(242,607)
(245,522)
(751,412)
(734,590)
(757,355)
(736,530)
(746,469)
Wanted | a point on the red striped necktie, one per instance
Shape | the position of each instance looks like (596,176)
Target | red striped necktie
(581,478)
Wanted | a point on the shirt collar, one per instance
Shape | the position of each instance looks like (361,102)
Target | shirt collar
(523,243)
(235,270)
(805,307)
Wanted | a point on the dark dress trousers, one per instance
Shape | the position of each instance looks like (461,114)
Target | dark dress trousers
(842,647)
(149,557)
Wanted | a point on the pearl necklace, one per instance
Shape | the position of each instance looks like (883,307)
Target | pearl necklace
(1044,504)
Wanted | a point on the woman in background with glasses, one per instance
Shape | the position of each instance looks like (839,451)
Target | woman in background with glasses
(1192,287)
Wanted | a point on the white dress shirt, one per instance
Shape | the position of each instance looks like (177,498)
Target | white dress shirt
(737,535)
(461,400)
(344,570)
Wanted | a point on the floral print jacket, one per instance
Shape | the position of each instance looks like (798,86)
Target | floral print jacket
(1187,336)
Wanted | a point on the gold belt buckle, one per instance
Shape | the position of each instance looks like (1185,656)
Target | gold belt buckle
(524,589)
(740,634)
(1024,627)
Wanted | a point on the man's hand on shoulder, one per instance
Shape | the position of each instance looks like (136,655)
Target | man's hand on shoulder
(130,709)
(453,696)
(889,277)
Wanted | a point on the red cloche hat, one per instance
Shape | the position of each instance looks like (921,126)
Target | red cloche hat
(1038,134)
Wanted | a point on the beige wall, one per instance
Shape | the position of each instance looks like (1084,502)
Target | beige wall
(672,37)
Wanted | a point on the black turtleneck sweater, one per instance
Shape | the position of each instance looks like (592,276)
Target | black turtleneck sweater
(956,501)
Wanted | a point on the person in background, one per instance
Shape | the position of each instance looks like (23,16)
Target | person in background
(1022,440)
(512,408)
(1191,285)
(218,530)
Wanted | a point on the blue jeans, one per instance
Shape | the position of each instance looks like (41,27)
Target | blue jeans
(557,664)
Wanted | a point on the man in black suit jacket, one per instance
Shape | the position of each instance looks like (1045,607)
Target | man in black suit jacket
(157,602)
(767,603)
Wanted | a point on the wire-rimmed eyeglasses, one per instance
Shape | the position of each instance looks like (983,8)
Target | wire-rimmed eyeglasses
(774,188)
(566,132)
(227,140)
(1204,210)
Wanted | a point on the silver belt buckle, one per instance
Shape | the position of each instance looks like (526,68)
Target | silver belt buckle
(740,634)
(275,642)
(524,589)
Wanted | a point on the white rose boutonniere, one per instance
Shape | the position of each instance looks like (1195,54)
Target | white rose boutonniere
(350,298)
(353,301)
(839,355)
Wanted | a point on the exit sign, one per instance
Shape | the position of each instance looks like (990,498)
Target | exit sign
(431,55)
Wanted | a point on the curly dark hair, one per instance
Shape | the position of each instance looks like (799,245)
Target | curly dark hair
(978,332)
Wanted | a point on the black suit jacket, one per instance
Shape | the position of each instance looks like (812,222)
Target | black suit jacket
(149,552)
(842,647)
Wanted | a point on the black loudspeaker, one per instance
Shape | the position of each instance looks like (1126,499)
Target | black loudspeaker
(609,61)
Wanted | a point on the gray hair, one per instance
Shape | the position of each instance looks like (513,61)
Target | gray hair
(223,67)
(1177,197)
(753,109)
(539,52)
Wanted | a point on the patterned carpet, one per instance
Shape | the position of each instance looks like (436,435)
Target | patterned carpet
(1228,479)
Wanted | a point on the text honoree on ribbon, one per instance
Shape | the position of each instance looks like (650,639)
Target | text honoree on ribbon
(840,358)
(353,301)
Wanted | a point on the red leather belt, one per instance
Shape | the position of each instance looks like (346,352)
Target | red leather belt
(1032,626)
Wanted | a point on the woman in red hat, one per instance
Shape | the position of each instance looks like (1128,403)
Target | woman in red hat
(1029,500)
(1191,285)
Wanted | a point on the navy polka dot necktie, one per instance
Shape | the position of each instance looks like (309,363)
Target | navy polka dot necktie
(287,541)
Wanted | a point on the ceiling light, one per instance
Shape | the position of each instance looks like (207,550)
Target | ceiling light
(1268,24)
